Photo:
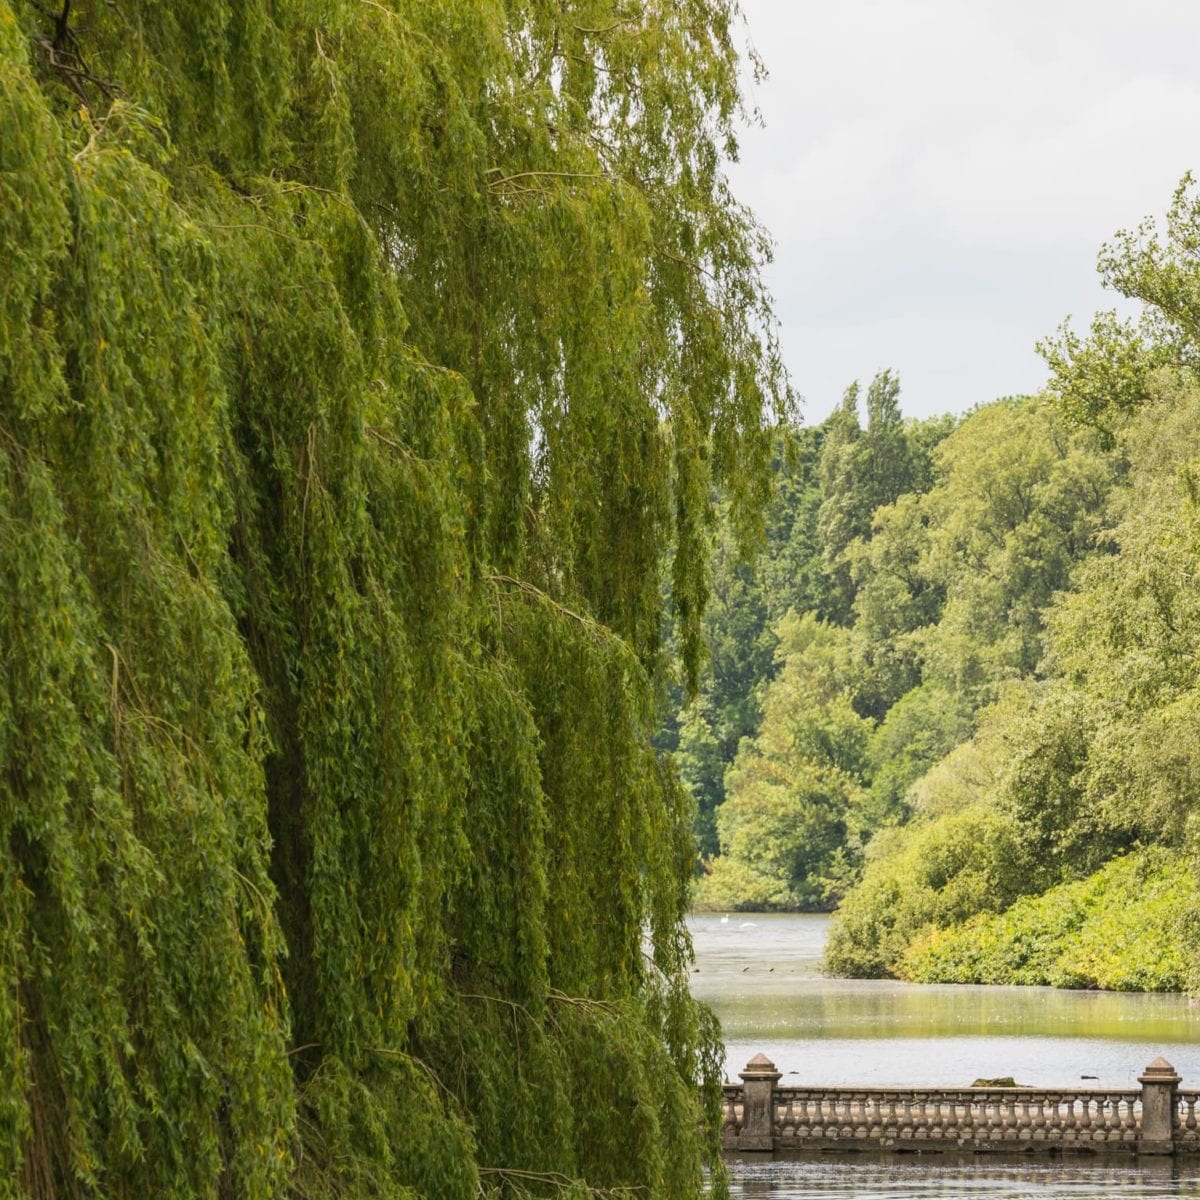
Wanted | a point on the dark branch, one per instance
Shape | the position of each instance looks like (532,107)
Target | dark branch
(64,54)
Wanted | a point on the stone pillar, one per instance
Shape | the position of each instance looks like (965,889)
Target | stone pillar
(1159,1087)
(758,1104)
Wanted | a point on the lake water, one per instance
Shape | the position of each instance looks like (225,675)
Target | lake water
(979,1178)
(761,974)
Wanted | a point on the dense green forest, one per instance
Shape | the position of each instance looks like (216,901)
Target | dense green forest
(365,366)
(970,718)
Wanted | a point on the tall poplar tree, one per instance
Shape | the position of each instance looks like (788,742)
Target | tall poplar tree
(358,359)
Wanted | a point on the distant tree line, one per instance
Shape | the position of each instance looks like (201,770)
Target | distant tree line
(967,709)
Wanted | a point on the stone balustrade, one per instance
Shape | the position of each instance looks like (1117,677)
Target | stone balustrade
(1155,1118)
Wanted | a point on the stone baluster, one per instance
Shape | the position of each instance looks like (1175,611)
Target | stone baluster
(1062,1113)
(954,1118)
(992,1119)
(1112,1120)
(842,1123)
(1038,1128)
(807,1118)
(1058,1116)
(1186,1121)
(1127,1129)
(968,1120)
(1070,1120)
(821,1117)
(787,1119)
(1005,1118)
(861,1116)
(1083,1119)
(1129,1121)
(1160,1085)
(758,1105)
(889,1121)
(925,1115)
(936,1120)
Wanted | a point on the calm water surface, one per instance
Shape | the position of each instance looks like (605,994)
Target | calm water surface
(969,1178)
(761,974)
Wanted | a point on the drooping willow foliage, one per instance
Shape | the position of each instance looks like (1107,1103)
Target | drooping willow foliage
(358,360)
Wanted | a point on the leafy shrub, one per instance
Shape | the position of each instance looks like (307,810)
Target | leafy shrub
(1125,928)
(932,874)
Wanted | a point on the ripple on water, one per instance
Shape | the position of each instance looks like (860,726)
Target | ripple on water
(911,1178)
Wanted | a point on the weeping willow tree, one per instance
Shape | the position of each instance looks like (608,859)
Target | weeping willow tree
(358,361)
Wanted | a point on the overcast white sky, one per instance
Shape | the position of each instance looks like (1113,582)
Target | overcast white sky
(939,175)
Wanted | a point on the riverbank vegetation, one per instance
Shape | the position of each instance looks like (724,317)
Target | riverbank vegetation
(977,733)
(360,365)
(1128,928)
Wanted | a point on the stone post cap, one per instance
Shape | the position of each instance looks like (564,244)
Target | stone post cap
(760,1067)
(1159,1071)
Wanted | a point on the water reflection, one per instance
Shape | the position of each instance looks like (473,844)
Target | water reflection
(761,974)
(980,1178)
